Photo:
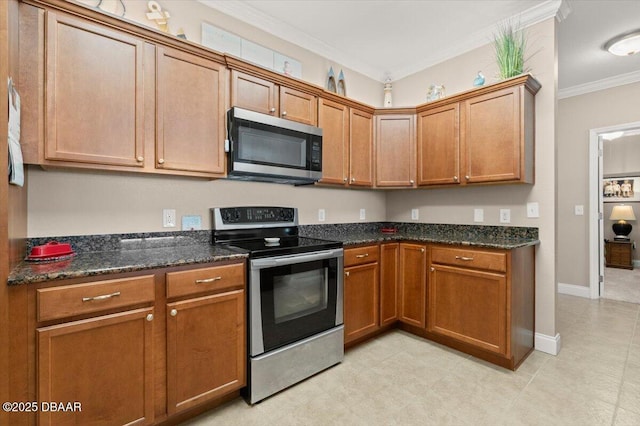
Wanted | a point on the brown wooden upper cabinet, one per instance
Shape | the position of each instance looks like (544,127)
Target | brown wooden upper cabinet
(347,144)
(260,95)
(94,94)
(395,141)
(480,136)
(190,112)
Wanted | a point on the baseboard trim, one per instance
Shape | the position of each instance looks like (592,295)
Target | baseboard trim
(574,290)
(548,344)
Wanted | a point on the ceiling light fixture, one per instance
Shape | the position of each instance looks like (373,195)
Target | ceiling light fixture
(625,44)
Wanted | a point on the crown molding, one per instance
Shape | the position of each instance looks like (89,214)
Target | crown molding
(594,86)
(251,16)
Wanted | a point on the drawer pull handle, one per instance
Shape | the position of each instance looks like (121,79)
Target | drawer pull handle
(173,312)
(464,258)
(360,256)
(102,297)
(347,273)
(208,280)
(150,317)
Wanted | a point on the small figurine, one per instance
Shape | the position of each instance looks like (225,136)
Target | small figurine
(286,69)
(436,91)
(387,93)
(479,80)
(181,34)
(342,88)
(331,81)
(161,17)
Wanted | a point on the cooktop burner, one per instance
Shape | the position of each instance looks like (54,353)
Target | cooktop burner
(286,245)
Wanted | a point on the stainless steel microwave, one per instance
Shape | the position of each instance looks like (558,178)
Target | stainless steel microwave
(271,149)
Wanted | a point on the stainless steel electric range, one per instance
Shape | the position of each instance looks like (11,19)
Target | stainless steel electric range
(295,296)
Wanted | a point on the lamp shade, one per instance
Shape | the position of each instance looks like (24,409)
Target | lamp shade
(622,212)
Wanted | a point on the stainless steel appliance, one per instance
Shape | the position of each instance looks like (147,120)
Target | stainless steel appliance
(295,296)
(271,149)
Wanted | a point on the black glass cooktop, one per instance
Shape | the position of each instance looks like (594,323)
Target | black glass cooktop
(284,246)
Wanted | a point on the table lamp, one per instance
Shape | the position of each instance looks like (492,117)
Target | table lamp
(621,228)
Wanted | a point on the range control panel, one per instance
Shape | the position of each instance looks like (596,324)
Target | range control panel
(254,216)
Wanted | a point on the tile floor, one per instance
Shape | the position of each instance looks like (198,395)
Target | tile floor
(622,284)
(400,379)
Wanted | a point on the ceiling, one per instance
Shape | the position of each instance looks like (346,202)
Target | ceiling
(364,35)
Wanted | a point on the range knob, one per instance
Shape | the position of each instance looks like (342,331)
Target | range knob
(230,215)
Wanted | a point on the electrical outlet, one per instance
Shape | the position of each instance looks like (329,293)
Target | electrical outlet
(579,210)
(169,218)
(415,214)
(321,215)
(533,210)
(505,215)
(363,214)
(478,215)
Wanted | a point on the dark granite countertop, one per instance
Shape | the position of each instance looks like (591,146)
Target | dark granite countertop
(499,237)
(116,253)
(102,255)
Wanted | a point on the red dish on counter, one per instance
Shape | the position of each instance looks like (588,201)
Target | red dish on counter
(52,250)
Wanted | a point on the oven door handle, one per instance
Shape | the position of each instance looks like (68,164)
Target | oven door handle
(296,258)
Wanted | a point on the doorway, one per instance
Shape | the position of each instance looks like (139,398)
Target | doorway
(598,218)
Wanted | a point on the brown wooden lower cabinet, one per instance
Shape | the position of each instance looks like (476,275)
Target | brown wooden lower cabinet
(104,364)
(413,284)
(205,349)
(481,301)
(389,268)
(361,292)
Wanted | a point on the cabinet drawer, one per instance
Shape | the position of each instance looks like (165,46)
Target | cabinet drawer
(360,255)
(205,279)
(77,299)
(477,259)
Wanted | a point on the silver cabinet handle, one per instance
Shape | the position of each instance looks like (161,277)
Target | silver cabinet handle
(455,178)
(360,256)
(347,273)
(150,317)
(161,161)
(433,269)
(353,179)
(173,312)
(103,297)
(422,250)
(272,110)
(208,280)
(140,159)
(344,180)
(284,113)
(464,258)
(467,177)
(412,181)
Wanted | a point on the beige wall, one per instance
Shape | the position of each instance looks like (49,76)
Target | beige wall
(576,116)
(82,203)
(456,205)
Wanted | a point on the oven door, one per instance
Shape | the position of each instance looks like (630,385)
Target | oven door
(293,297)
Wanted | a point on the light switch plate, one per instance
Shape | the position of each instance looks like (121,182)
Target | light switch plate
(579,210)
(533,210)
(478,215)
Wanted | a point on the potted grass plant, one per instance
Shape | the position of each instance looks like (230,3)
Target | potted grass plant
(509,43)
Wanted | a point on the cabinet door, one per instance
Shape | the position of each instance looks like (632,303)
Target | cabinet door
(333,118)
(361,148)
(206,349)
(439,146)
(298,106)
(491,137)
(253,93)
(104,363)
(190,113)
(395,150)
(360,301)
(389,259)
(94,94)
(413,284)
(469,305)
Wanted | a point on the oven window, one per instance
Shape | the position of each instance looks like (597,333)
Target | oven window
(297,301)
(299,294)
